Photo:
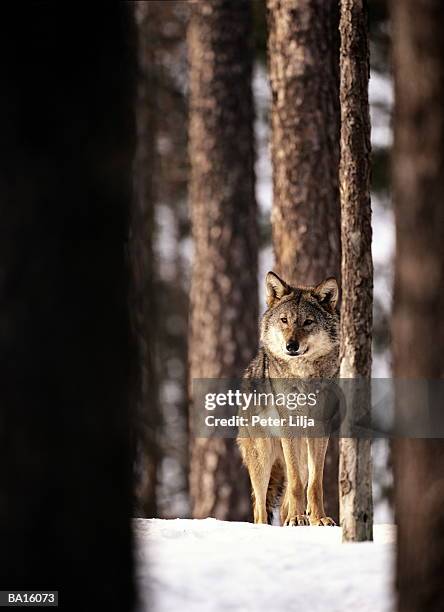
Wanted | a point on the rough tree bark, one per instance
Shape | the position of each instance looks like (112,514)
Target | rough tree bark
(224,293)
(66,116)
(143,290)
(418,331)
(303,51)
(356,506)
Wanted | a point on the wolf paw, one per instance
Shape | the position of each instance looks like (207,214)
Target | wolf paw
(298,520)
(323,520)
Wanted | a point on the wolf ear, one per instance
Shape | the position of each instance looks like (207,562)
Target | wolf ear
(327,293)
(276,288)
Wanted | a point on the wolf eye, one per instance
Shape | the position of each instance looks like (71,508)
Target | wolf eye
(284,319)
(308,322)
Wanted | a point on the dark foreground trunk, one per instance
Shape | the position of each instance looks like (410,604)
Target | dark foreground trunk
(66,148)
(418,331)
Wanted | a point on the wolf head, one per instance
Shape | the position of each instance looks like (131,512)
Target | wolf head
(300,321)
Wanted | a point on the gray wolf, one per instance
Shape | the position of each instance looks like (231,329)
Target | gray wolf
(299,335)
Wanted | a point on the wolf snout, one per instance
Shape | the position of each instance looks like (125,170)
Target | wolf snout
(292,347)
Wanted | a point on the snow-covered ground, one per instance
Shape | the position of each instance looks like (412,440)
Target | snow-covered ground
(215,566)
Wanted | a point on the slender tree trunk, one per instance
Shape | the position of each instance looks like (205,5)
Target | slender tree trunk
(303,50)
(356,506)
(418,332)
(143,290)
(66,115)
(224,293)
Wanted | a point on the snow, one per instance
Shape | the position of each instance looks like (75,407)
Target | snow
(214,566)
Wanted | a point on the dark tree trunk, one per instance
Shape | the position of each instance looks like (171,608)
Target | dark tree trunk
(161,431)
(167,36)
(418,331)
(303,51)
(357,266)
(66,115)
(146,424)
(224,294)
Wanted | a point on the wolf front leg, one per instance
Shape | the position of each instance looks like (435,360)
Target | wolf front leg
(293,506)
(317,448)
(258,460)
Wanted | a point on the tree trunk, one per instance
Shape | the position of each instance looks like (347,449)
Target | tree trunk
(143,290)
(224,293)
(162,147)
(66,116)
(418,332)
(303,51)
(356,506)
